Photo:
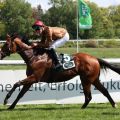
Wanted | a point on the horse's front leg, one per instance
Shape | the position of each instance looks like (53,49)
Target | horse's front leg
(20,95)
(10,92)
(29,80)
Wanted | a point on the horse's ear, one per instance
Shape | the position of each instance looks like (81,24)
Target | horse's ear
(8,38)
(8,35)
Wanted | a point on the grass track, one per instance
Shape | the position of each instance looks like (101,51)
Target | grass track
(61,112)
(98,52)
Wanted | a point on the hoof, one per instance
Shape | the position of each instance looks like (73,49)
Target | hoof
(5,102)
(115,106)
(83,107)
(10,108)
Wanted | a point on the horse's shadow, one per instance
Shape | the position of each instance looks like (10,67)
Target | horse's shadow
(97,107)
(40,108)
(110,113)
(61,107)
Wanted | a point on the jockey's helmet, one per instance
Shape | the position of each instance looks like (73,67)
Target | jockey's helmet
(37,25)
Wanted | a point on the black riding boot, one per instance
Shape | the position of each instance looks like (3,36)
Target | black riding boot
(55,59)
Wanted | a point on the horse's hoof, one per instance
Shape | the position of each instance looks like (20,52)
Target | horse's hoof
(5,102)
(10,108)
(83,107)
(115,106)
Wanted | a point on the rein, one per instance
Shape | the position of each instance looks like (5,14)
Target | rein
(18,48)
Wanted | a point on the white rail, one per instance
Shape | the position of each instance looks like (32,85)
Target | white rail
(12,62)
(112,60)
(21,62)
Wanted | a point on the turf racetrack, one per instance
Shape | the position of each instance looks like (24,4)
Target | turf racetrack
(61,112)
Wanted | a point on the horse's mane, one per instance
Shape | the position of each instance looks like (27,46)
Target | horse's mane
(29,54)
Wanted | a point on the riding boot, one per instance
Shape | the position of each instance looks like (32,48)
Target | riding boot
(55,59)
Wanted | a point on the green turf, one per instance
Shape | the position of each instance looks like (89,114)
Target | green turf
(12,67)
(61,112)
(98,52)
(13,57)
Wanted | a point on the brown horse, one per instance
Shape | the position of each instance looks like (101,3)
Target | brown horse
(39,69)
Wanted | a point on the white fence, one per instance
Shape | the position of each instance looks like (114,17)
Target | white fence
(21,62)
(69,92)
(12,62)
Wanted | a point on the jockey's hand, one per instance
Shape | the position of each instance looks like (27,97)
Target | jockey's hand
(34,45)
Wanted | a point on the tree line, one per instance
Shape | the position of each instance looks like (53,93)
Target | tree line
(18,16)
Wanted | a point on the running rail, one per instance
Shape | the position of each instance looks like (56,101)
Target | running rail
(21,62)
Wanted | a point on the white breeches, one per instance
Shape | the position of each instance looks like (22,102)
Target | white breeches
(60,42)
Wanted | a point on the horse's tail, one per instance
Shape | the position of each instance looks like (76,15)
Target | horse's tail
(105,65)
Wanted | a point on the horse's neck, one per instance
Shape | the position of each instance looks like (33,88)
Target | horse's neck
(26,55)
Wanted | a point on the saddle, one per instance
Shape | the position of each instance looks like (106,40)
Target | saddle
(65,60)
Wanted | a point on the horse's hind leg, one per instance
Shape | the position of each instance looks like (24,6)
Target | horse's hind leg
(87,92)
(20,95)
(104,91)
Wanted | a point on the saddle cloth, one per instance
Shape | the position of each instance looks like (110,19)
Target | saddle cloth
(66,61)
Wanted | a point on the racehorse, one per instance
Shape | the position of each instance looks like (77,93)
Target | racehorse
(39,69)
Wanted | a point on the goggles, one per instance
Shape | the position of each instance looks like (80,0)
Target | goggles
(35,27)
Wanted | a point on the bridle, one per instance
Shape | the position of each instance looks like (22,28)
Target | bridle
(5,50)
(9,44)
(12,46)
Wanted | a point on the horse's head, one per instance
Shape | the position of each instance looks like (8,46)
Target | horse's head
(8,47)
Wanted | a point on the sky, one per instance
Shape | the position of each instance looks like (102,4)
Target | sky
(43,3)
(101,3)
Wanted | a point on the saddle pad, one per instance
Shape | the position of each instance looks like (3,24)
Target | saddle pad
(66,61)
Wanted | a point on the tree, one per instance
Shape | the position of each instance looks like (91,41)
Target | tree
(62,14)
(97,29)
(108,31)
(2,26)
(17,16)
(115,16)
(37,12)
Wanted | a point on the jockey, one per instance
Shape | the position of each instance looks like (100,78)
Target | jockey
(51,37)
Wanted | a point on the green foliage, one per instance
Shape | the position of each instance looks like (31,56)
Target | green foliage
(37,13)
(91,44)
(63,13)
(69,44)
(1,5)
(108,31)
(16,15)
(115,16)
(110,44)
(101,44)
(2,30)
